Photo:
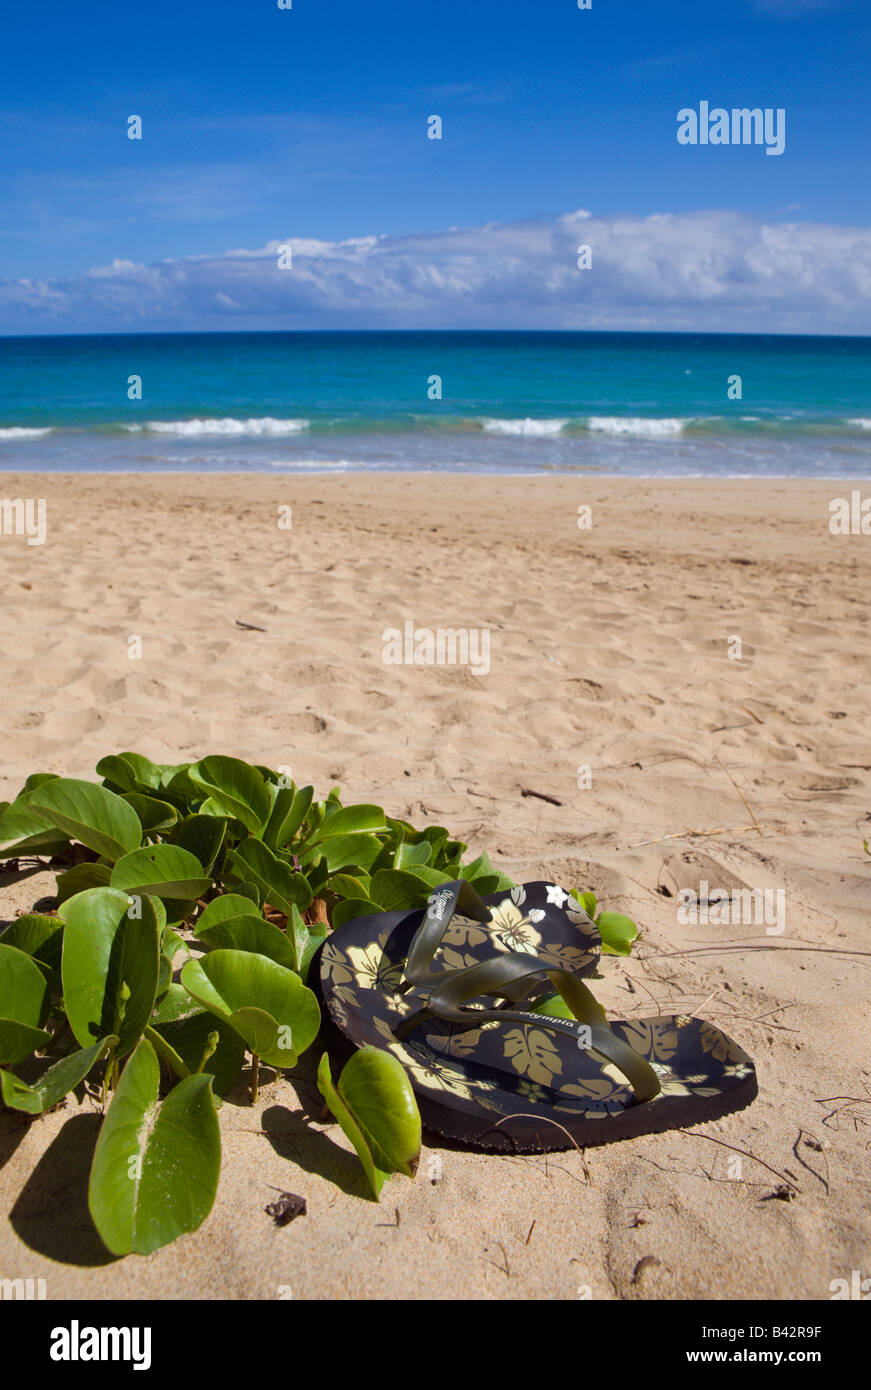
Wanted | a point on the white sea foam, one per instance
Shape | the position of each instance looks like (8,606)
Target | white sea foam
(862,424)
(21,432)
(310,466)
(533,428)
(618,424)
(195,428)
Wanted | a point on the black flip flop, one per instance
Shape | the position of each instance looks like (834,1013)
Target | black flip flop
(420,984)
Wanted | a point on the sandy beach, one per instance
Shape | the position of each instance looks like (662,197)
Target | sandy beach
(701,649)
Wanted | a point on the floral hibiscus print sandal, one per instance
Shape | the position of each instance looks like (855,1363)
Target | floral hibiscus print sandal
(511,1076)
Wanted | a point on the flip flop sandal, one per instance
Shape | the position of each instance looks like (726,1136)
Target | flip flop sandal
(506,1077)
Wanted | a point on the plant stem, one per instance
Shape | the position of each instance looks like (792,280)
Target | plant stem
(107,1074)
(168,1053)
(255,1074)
(211,1046)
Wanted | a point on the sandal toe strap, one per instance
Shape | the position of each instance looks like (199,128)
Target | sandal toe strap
(513,976)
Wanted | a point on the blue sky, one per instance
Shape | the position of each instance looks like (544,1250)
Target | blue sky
(263,126)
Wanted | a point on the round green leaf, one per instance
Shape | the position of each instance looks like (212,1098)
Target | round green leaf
(350,820)
(90,814)
(55,1083)
(165,871)
(224,907)
(375,1087)
(408,856)
(23,830)
(18,1040)
(156,816)
(288,813)
(397,888)
(238,985)
(155,1169)
(130,771)
(347,852)
(349,908)
(617,932)
(37,936)
(376,1177)
(236,789)
(110,966)
(187,1034)
(201,836)
(279,885)
(248,933)
(23,1006)
(374,1104)
(587,901)
(80,877)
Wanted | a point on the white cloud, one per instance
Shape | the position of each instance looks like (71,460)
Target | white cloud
(708,271)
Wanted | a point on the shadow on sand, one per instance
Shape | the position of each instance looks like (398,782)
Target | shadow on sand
(51,1213)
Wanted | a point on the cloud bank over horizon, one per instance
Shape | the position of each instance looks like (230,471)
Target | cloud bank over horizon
(715,271)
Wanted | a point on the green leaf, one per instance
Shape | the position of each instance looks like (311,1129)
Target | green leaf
(290,810)
(236,789)
(80,877)
(479,868)
(349,885)
(36,779)
(375,1106)
(155,1169)
(55,1083)
(306,940)
(24,831)
(412,856)
(245,989)
(394,888)
(433,877)
(38,936)
(349,908)
(18,1040)
(486,883)
(110,966)
(171,943)
(347,852)
(155,816)
(351,820)
(223,908)
(617,932)
(23,1006)
(188,1036)
(165,871)
(376,1177)
(278,884)
(376,1089)
(175,1003)
(437,837)
(586,900)
(131,772)
(554,1006)
(90,814)
(201,836)
(167,1054)
(248,933)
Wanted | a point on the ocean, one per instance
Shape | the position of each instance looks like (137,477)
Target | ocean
(642,404)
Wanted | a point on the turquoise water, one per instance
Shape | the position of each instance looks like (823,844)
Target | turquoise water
(644,404)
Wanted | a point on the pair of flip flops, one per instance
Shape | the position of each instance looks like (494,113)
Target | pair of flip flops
(518,1074)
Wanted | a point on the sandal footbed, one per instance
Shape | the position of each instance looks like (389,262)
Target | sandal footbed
(467,1080)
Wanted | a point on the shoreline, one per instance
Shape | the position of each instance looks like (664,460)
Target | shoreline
(324,469)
